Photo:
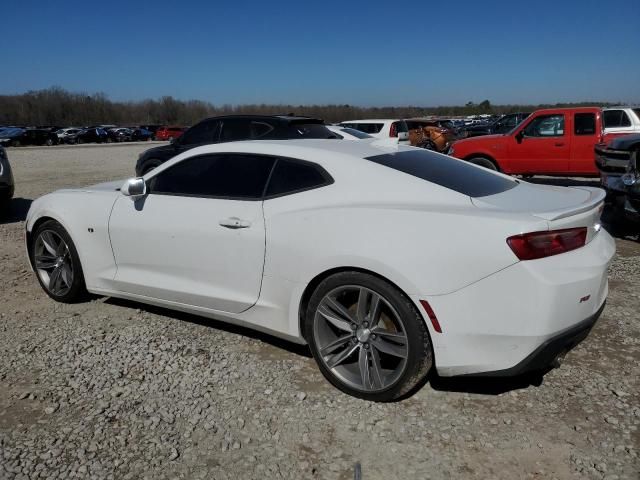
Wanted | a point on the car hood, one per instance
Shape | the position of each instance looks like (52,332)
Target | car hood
(113,186)
(625,142)
(484,138)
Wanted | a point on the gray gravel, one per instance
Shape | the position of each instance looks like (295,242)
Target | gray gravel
(112,389)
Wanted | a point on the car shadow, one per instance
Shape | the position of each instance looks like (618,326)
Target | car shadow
(301,350)
(487,385)
(16,211)
(476,385)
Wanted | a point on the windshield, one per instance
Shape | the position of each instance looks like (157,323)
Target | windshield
(356,133)
(448,172)
(311,130)
(11,132)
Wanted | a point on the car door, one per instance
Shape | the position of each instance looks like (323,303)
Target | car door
(198,237)
(585,137)
(542,145)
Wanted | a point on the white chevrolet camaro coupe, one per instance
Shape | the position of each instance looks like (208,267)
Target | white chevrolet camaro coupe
(387,261)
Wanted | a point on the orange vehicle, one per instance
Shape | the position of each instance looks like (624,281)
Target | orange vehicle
(429,134)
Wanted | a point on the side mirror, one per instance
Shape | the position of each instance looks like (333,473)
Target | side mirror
(402,136)
(520,136)
(134,188)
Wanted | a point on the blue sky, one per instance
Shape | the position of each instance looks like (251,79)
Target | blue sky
(304,52)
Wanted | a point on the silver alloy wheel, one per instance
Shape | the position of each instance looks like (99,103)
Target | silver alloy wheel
(52,260)
(361,338)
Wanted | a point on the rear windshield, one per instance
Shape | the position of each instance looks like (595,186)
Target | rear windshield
(447,172)
(310,130)
(356,133)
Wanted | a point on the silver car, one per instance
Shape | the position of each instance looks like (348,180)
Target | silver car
(6,180)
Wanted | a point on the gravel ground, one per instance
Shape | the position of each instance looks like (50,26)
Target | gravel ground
(113,389)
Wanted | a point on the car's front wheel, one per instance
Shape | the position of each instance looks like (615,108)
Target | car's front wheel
(367,337)
(55,260)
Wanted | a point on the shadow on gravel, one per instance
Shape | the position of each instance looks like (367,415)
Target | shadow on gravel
(16,211)
(486,385)
(291,347)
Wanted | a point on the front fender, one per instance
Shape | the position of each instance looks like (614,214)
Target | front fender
(85,216)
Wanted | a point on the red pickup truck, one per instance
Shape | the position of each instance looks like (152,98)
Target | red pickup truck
(555,141)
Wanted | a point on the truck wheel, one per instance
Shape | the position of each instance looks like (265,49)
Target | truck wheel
(484,162)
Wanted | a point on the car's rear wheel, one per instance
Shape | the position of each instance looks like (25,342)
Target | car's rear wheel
(49,142)
(367,337)
(484,162)
(56,262)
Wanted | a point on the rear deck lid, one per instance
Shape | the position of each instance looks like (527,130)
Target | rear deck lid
(561,207)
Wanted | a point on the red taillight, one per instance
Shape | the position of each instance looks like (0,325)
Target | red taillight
(394,130)
(432,316)
(530,246)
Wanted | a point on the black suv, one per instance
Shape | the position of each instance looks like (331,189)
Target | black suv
(502,125)
(234,128)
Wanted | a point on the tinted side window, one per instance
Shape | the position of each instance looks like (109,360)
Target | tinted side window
(204,132)
(240,176)
(616,118)
(585,124)
(260,129)
(294,176)
(309,130)
(370,127)
(546,126)
(235,129)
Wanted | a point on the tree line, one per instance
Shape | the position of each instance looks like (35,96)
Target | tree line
(57,106)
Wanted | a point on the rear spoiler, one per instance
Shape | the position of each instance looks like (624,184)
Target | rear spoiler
(596,197)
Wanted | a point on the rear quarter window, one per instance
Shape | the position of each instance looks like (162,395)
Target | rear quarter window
(456,175)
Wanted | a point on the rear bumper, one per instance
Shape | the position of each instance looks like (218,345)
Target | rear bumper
(518,317)
(553,348)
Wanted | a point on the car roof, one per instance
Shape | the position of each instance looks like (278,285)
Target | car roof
(286,118)
(374,120)
(306,148)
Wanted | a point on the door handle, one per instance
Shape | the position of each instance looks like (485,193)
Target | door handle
(558,144)
(234,223)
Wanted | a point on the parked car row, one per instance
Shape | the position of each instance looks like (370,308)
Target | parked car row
(16,136)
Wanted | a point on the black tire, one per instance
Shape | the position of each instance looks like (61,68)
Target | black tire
(484,162)
(49,142)
(419,356)
(77,291)
(15,143)
(150,165)
(79,141)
